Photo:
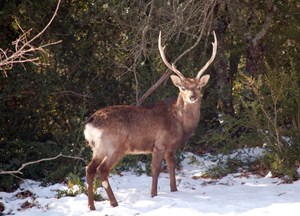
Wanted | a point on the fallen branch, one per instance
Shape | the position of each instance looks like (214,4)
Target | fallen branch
(18,171)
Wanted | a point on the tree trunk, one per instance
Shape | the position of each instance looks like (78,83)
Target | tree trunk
(222,68)
(224,81)
(255,52)
(254,59)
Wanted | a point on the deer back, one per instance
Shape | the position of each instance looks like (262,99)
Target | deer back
(135,129)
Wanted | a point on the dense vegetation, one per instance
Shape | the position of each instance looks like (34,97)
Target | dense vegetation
(108,55)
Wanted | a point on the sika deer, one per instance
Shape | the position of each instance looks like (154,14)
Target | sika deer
(159,129)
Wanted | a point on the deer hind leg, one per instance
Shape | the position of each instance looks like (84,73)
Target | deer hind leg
(103,170)
(157,158)
(171,163)
(90,174)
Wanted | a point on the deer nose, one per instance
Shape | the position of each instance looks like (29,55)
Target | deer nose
(192,98)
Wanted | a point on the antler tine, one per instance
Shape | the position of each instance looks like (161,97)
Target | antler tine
(214,52)
(162,54)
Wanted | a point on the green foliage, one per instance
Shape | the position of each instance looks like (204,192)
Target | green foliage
(222,169)
(77,186)
(193,160)
(228,164)
(274,110)
(235,132)
(235,161)
(266,111)
(283,164)
(140,164)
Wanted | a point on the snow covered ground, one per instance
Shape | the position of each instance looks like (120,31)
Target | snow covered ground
(235,194)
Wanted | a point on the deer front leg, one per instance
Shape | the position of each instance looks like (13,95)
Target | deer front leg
(171,163)
(157,157)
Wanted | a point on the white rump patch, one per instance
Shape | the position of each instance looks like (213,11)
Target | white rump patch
(93,135)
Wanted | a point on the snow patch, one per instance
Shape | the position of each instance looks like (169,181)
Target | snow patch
(232,195)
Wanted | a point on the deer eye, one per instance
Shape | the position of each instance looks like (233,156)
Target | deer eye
(183,88)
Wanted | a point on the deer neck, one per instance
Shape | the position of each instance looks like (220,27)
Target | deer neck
(188,114)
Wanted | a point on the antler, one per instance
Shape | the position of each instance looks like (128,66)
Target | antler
(214,52)
(162,54)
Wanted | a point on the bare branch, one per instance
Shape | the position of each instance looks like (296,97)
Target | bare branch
(49,23)
(205,12)
(24,50)
(267,23)
(18,171)
(68,92)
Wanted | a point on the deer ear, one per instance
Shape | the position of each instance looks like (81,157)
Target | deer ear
(204,80)
(176,80)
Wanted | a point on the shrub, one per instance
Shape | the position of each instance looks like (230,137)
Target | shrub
(275,113)
(76,186)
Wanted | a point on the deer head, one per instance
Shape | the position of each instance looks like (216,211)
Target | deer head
(189,87)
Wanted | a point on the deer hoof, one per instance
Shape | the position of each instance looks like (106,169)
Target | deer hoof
(92,208)
(114,204)
(153,195)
